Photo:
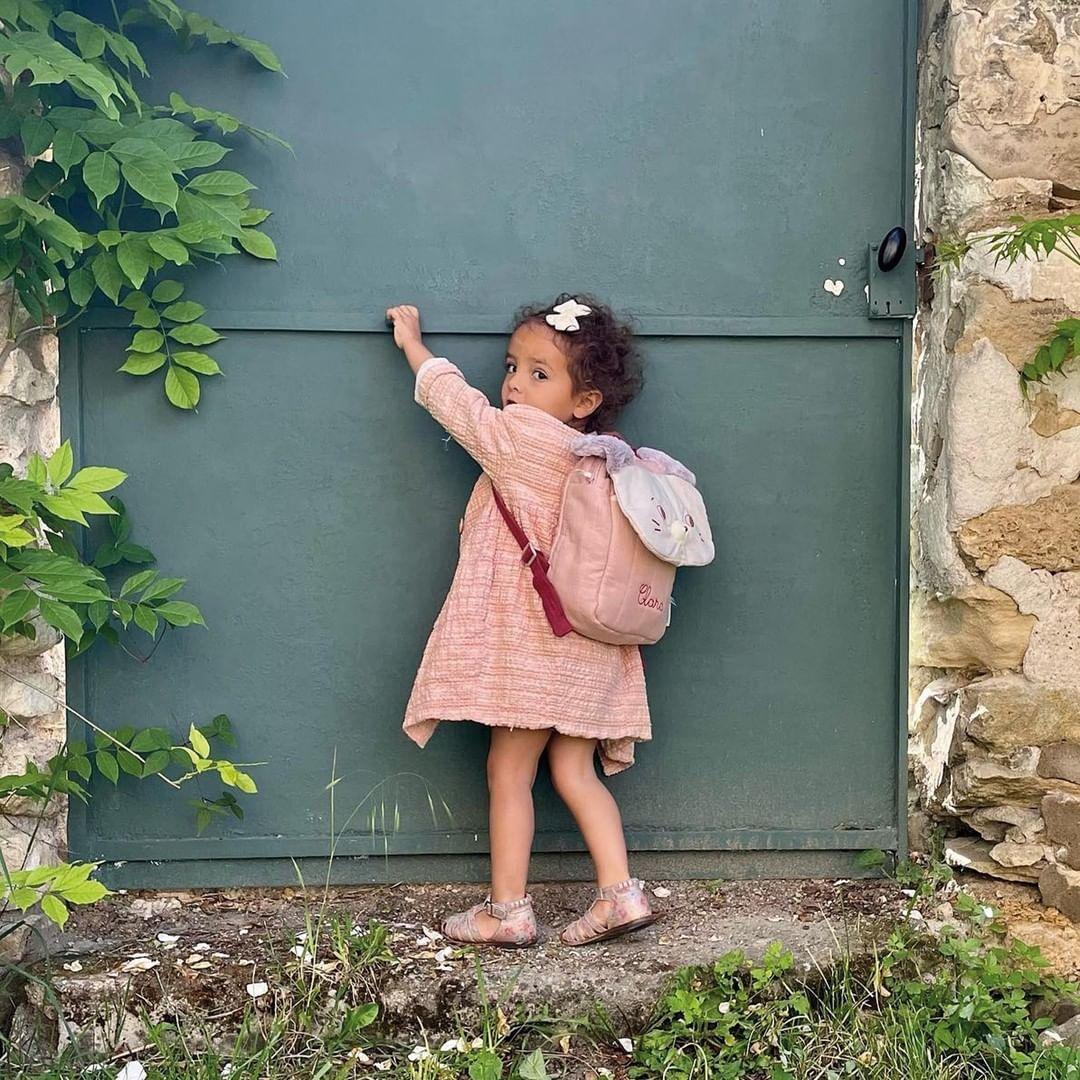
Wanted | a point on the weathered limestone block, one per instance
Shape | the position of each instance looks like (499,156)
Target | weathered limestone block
(1051,416)
(983,628)
(1061,760)
(1017,824)
(1053,654)
(37,742)
(976,782)
(1061,812)
(29,842)
(985,310)
(47,637)
(1044,534)
(1059,887)
(971,853)
(993,457)
(23,380)
(1015,67)
(1008,711)
(28,691)
(1017,855)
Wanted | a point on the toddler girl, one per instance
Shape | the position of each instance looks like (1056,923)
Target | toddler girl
(492,657)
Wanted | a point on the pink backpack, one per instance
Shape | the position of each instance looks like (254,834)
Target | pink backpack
(628,518)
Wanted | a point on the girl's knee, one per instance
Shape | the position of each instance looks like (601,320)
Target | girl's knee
(571,764)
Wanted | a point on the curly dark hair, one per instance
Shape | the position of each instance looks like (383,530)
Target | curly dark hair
(603,355)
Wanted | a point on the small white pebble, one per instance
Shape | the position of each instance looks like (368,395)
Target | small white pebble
(724,1006)
(988,911)
(202,946)
(257,989)
(661,892)
(133,1070)
(477,1043)
(627,1045)
(384,1066)
(432,935)
(168,939)
(73,966)
(244,930)
(908,892)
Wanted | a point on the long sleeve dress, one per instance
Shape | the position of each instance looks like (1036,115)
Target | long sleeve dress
(492,657)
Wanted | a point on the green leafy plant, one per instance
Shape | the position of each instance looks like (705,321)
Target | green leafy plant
(143,753)
(1028,239)
(119,189)
(41,572)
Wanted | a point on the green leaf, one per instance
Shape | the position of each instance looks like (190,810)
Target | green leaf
(55,909)
(162,588)
(197,361)
(145,619)
(147,318)
(109,238)
(36,134)
(97,478)
(194,334)
(254,215)
(62,617)
(133,254)
(99,613)
(36,471)
(258,244)
(182,387)
(221,182)
(86,892)
(485,1066)
(87,501)
(214,210)
(16,605)
(244,782)
(136,300)
(168,247)
(533,1067)
(107,766)
(1058,348)
(150,179)
(81,286)
(101,175)
(165,292)
(184,311)
(142,363)
(146,341)
(69,149)
(260,51)
(180,613)
(198,742)
(155,762)
(60,464)
(199,154)
(108,275)
(203,818)
(137,581)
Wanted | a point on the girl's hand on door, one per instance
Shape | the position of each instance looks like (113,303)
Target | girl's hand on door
(406,320)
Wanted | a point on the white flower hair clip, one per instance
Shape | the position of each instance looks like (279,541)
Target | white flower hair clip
(565,316)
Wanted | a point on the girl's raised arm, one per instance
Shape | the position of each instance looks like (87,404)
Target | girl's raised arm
(488,434)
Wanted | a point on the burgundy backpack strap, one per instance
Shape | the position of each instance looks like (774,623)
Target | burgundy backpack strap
(538,563)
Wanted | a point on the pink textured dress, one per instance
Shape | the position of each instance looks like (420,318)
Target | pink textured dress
(491,657)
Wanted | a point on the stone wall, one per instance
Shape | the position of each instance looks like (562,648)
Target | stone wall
(31,672)
(995,607)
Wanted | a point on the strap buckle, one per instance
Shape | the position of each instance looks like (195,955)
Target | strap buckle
(525,550)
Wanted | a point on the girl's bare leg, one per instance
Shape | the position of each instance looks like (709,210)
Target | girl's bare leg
(512,762)
(573,774)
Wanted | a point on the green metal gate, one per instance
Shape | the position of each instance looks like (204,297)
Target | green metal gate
(707,166)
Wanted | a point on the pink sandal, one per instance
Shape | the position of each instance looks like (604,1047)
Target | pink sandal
(630,910)
(517,929)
